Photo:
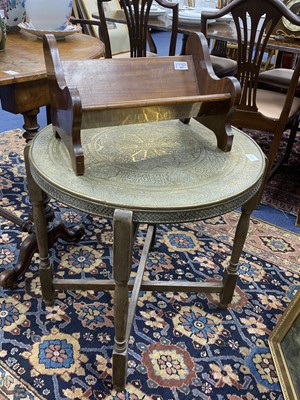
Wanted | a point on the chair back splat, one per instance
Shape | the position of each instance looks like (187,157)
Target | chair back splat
(259,109)
(137,15)
(123,91)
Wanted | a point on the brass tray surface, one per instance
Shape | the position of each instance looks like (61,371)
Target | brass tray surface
(159,167)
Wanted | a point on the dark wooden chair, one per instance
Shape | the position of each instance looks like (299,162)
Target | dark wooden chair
(260,109)
(143,166)
(139,35)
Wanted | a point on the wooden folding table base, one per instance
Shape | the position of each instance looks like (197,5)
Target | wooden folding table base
(165,172)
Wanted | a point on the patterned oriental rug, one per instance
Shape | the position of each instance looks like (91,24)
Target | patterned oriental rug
(182,345)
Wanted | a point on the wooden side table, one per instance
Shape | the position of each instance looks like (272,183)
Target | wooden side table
(23,90)
(165,172)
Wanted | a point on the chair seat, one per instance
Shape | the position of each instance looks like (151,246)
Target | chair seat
(270,103)
(163,172)
(278,78)
(223,66)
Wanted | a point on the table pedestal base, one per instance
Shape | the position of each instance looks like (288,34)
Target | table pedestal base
(8,278)
(56,229)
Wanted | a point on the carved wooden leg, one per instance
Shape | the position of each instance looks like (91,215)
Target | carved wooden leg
(122,259)
(31,125)
(8,277)
(231,272)
(40,224)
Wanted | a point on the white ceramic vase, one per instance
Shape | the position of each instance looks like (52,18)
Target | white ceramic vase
(14,13)
(48,14)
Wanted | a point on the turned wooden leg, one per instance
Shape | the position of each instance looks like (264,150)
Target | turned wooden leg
(231,272)
(36,196)
(31,125)
(122,259)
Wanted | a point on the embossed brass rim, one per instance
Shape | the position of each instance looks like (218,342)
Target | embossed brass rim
(146,216)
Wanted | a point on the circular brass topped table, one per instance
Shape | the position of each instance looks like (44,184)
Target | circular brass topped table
(146,173)
(164,172)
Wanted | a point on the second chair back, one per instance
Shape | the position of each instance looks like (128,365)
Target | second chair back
(259,109)
(254,22)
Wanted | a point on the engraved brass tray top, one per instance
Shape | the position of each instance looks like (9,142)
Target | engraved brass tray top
(152,169)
